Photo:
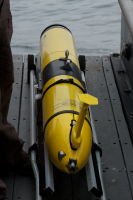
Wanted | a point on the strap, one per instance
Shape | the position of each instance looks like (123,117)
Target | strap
(71,81)
(53,69)
(62,112)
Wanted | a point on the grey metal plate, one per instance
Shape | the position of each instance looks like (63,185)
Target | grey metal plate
(123,85)
(112,135)
(127,39)
(122,130)
(24,187)
(13,116)
(114,174)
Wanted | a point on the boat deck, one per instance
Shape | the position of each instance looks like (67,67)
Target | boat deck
(111,127)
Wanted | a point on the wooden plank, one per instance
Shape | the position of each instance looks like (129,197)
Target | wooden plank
(114,174)
(24,187)
(13,116)
(123,132)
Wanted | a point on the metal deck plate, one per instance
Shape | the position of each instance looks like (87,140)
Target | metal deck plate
(114,174)
(125,91)
(112,132)
(122,130)
(24,187)
(13,116)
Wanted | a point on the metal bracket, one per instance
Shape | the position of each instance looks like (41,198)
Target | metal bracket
(49,177)
(66,67)
(97,148)
(33,147)
(92,173)
(31,66)
(67,60)
(40,82)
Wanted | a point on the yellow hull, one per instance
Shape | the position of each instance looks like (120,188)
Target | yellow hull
(61,105)
(57,138)
(53,45)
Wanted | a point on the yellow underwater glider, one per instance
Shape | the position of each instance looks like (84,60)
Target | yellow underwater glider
(66,121)
(70,142)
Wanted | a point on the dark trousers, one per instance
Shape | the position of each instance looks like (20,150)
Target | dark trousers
(2,191)
(11,152)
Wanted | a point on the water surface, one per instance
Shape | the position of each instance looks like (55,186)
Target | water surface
(95,24)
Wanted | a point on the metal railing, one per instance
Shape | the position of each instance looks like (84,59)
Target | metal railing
(33,134)
(127,10)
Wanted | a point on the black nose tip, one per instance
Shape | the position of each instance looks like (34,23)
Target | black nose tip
(72,166)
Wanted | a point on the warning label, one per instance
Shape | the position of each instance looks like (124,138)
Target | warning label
(68,103)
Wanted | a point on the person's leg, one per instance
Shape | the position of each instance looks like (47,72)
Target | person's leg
(2,191)
(11,152)
(6,92)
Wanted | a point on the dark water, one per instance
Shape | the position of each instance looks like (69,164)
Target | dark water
(95,24)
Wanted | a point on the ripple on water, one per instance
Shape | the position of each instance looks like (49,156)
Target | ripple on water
(95,24)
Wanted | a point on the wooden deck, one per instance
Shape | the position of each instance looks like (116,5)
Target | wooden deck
(111,128)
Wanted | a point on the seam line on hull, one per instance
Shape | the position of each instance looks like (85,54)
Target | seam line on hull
(70,81)
(62,112)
